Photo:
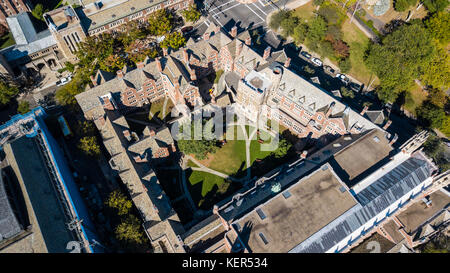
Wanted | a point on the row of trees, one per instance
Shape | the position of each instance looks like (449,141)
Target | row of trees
(416,51)
(112,51)
(322,34)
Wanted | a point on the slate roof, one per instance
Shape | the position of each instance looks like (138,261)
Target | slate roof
(9,225)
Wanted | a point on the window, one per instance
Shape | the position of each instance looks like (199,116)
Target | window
(261,214)
(286,194)
(263,238)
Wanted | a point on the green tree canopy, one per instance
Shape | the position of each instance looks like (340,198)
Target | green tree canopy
(282,149)
(119,201)
(7,92)
(300,32)
(89,145)
(38,12)
(430,115)
(403,5)
(317,28)
(398,59)
(191,14)
(161,22)
(277,18)
(23,107)
(200,148)
(439,25)
(435,5)
(174,40)
(130,230)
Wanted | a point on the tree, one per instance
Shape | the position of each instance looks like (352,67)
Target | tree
(161,22)
(347,93)
(174,40)
(85,128)
(398,60)
(288,25)
(299,33)
(277,18)
(403,5)
(119,201)
(7,92)
(316,29)
(282,149)
(438,25)
(133,31)
(430,115)
(23,107)
(130,230)
(66,94)
(191,14)
(345,65)
(318,2)
(200,148)
(331,14)
(38,12)
(435,5)
(341,49)
(89,146)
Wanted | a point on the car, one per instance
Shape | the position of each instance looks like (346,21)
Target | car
(343,78)
(63,81)
(187,29)
(316,61)
(355,87)
(329,70)
(306,55)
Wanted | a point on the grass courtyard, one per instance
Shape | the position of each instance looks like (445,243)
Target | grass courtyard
(207,189)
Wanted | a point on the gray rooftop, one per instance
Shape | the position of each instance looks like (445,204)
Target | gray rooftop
(9,226)
(22,28)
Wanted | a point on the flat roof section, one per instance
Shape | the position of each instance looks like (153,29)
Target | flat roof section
(363,155)
(291,218)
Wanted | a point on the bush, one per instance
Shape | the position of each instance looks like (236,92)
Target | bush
(23,107)
(318,2)
(345,65)
(347,93)
(403,5)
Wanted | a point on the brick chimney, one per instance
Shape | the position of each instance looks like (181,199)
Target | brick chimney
(94,82)
(364,110)
(387,125)
(217,29)
(206,36)
(248,41)
(192,74)
(330,109)
(152,132)
(120,73)
(304,154)
(239,47)
(266,53)
(165,51)
(287,63)
(158,64)
(233,32)
(140,65)
(185,56)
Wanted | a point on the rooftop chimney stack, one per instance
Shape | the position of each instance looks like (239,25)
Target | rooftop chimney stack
(165,51)
(248,41)
(192,74)
(364,110)
(266,53)
(158,64)
(120,73)
(239,47)
(217,29)
(140,65)
(387,125)
(206,36)
(186,56)
(304,154)
(94,82)
(233,32)
(287,63)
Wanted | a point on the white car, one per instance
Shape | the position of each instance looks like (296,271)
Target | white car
(64,81)
(316,61)
(343,78)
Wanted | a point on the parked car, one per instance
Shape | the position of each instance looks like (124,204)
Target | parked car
(355,87)
(63,81)
(343,78)
(187,29)
(329,70)
(306,55)
(316,61)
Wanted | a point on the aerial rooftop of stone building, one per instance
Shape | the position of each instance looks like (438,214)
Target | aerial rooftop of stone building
(298,212)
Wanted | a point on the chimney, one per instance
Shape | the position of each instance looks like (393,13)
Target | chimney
(239,47)
(152,132)
(217,29)
(126,134)
(233,32)
(165,51)
(287,63)
(120,73)
(158,64)
(364,110)
(185,56)
(192,74)
(387,125)
(248,41)
(140,65)
(266,53)
(393,140)
(94,82)
(174,149)
(330,109)
(304,154)
(206,36)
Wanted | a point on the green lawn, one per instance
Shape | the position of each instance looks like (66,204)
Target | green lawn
(306,11)
(157,108)
(358,43)
(416,99)
(7,40)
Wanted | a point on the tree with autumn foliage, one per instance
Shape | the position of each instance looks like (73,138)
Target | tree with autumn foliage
(174,40)
(191,14)
(161,22)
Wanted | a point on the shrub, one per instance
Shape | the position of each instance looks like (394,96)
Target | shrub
(345,65)
(23,107)
(403,5)
(318,2)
